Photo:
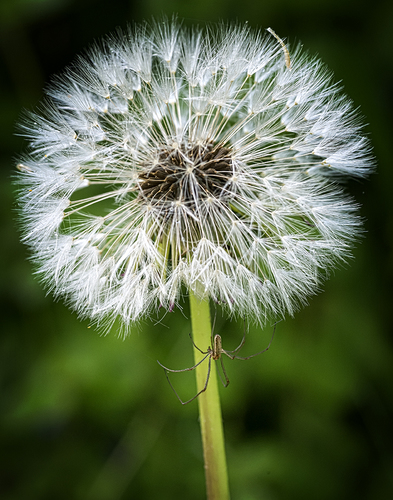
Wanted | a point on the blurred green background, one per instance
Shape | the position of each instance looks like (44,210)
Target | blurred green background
(91,417)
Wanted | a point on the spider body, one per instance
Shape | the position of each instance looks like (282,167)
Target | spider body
(215,352)
(217,348)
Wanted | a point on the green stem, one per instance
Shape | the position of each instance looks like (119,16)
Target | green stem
(209,405)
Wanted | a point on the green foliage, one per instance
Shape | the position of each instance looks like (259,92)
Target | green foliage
(91,417)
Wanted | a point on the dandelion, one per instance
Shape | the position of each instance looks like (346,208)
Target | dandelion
(168,159)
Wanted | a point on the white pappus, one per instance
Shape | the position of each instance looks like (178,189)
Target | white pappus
(169,159)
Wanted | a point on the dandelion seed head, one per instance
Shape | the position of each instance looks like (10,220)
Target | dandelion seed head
(208,160)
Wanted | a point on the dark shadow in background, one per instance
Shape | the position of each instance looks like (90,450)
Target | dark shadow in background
(90,417)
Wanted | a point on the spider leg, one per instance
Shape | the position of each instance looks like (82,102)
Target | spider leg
(200,392)
(230,353)
(252,355)
(257,353)
(226,383)
(184,369)
(174,390)
(213,326)
(196,347)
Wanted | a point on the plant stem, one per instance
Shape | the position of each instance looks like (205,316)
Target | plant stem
(209,405)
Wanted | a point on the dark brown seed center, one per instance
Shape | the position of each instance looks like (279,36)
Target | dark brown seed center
(186,175)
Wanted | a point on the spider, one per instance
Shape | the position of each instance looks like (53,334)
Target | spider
(214,353)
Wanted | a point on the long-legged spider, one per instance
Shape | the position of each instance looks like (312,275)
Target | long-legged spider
(215,352)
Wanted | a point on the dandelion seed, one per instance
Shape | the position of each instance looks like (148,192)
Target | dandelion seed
(176,159)
(286,52)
